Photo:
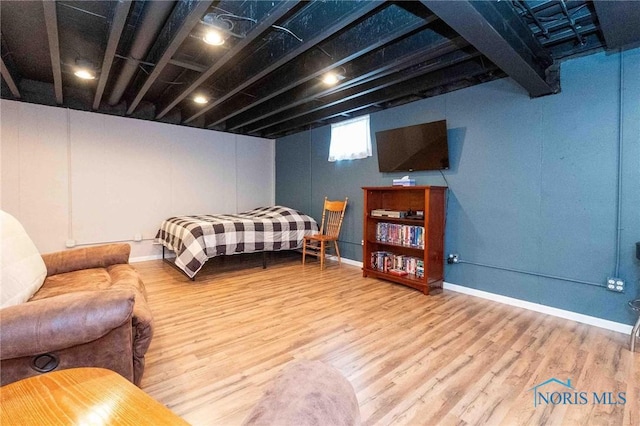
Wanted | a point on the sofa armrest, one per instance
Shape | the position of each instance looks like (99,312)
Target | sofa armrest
(86,258)
(62,321)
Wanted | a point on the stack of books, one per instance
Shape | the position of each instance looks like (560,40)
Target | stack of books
(397,264)
(401,235)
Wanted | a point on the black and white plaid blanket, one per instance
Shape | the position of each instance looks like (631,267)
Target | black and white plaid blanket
(195,239)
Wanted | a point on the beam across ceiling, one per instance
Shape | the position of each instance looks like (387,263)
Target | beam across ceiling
(184,17)
(389,25)
(496,30)
(257,31)
(464,72)
(9,79)
(329,18)
(420,47)
(397,73)
(117,25)
(51,22)
(188,65)
(620,22)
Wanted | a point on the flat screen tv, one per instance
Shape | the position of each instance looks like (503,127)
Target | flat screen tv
(413,148)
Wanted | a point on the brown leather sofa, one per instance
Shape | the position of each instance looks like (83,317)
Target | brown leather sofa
(91,311)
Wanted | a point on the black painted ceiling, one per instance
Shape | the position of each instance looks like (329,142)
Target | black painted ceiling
(266,79)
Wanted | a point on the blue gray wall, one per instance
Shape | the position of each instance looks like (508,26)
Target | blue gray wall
(533,184)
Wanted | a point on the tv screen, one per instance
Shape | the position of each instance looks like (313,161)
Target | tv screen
(413,148)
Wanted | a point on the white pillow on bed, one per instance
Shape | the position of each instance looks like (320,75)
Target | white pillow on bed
(22,270)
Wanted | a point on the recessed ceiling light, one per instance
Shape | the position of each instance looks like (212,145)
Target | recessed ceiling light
(84,69)
(331,78)
(213,38)
(200,99)
(84,74)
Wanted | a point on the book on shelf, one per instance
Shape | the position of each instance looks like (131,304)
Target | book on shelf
(420,268)
(396,264)
(401,235)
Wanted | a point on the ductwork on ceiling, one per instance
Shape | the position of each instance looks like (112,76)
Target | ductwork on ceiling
(156,14)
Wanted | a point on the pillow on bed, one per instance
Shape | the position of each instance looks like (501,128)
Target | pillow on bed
(22,269)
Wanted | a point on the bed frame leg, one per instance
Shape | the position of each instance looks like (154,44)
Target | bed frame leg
(264,260)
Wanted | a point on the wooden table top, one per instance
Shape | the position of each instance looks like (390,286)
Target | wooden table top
(81,396)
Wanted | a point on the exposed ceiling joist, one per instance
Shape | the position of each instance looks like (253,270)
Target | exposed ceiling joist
(568,34)
(399,72)
(117,25)
(51,22)
(264,25)
(464,72)
(422,55)
(389,25)
(9,79)
(422,46)
(581,17)
(188,65)
(268,77)
(497,31)
(181,22)
(620,22)
(311,36)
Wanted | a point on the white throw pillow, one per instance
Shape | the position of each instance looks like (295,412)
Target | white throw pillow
(22,269)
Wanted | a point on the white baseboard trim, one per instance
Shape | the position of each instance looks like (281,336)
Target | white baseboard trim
(145,258)
(344,260)
(561,313)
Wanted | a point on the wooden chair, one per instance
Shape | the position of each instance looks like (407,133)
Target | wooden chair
(332,216)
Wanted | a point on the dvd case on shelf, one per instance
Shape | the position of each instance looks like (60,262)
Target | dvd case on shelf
(401,235)
(386,261)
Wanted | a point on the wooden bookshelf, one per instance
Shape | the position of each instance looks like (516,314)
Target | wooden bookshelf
(428,199)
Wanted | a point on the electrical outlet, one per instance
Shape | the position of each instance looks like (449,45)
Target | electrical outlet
(615,284)
(453,258)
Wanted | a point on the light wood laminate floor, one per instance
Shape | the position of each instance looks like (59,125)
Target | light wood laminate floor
(412,359)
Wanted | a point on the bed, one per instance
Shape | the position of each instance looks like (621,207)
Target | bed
(195,239)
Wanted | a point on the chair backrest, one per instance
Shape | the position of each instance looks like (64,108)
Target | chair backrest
(332,216)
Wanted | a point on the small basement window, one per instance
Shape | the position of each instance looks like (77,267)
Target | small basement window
(350,139)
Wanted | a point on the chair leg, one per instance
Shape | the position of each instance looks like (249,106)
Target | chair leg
(322,245)
(304,250)
(634,335)
(335,245)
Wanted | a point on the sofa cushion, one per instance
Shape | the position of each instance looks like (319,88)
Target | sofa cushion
(114,277)
(85,280)
(23,270)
